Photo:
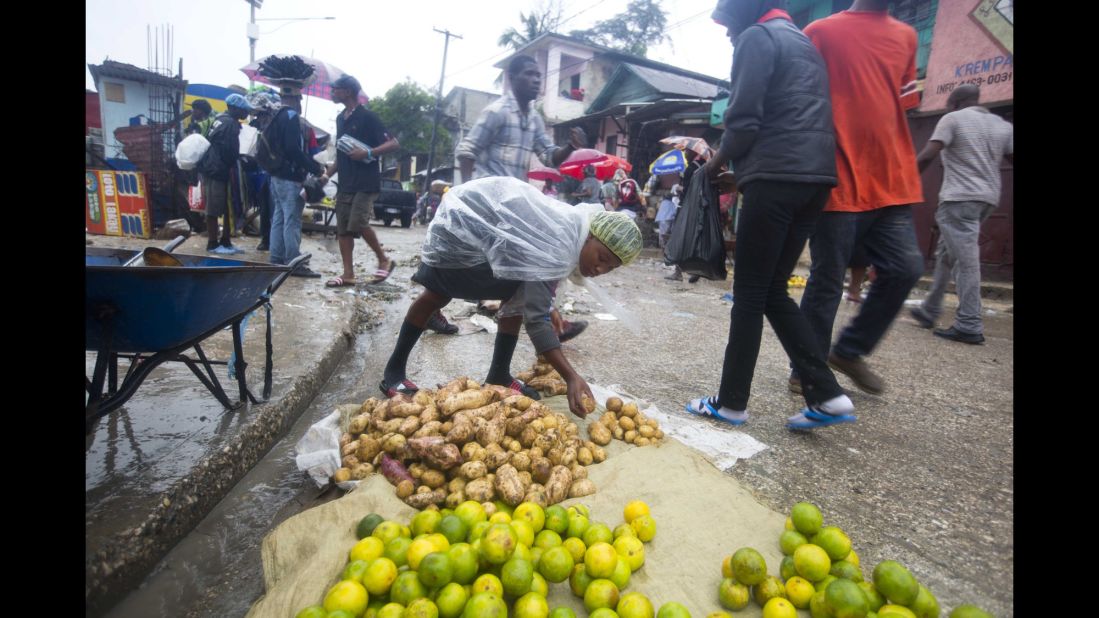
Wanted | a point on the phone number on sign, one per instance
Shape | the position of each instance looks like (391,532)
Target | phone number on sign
(996,78)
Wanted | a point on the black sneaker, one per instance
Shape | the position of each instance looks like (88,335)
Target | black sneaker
(572,329)
(921,317)
(263,247)
(954,334)
(693,279)
(438,323)
(305,271)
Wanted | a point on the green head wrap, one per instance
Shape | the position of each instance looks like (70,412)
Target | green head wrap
(618,232)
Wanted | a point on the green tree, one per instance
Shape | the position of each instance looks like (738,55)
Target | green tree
(633,31)
(406,111)
(542,19)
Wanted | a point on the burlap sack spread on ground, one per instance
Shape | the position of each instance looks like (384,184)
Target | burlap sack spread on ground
(702,515)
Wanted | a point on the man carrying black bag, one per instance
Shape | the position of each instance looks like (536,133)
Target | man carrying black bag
(779,138)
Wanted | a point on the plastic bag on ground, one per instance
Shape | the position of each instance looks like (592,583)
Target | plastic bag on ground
(696,243)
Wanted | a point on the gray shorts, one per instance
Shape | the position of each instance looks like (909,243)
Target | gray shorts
(216,195)
(353,212)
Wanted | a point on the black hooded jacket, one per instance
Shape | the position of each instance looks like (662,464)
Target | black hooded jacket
(780,95)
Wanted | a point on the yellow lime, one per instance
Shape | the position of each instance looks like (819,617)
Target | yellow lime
(498,543)
(436,570)
(463,561)
(873,597)
(806,518)
(601,593)
(407,588)
(635,605)
(391,610)
(779,607)
(576,547)
(556,564)
(470,513)
(823,584)
(834,541)
(631,550)
(634,510)
(727,566)
(597,533)
(733,594)
(531,605)
(925,605)
(603,612)
(485,605)
(379,576)
(421,608)
(577,525)
(969,611)
(397,550)
(367,549)
(524,552)
(846,570)
(818,607)
(524,532)
(719,615)
(499,517)
(853,558)
(547,539)
(451,600)
(789,524)
(439,541)
(419,549)
(387,531)
(425,522)
(488,583)
(354,570)
(539,584)
(671,609)
(812,562)
(562,612)
(532,514)
(579,580)
(346,595)
(478,530)
(770,588)
(645,527)
(799,590)
(557,519)
(621,576)
(313,611)
(786,569)
(749,567)
(791,540)
(895,583)
(622,530)
(895,611)
(600,560)
(453,528)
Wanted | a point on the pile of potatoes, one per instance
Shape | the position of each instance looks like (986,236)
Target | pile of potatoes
(464,442)
(544,378)
(623,421)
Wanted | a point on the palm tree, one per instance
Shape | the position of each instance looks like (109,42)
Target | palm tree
(540,21)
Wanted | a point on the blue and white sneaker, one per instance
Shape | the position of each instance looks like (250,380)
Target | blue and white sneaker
(223,250)
(707,406)
(811,419)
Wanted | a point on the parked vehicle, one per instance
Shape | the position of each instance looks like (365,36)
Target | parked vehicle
(395,203)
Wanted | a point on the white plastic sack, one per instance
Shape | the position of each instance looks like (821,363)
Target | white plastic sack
(523,234)
(318,451)
(249,139)
(190,151)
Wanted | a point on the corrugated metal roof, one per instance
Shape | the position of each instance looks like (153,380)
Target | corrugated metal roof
(121,70)
(670,83)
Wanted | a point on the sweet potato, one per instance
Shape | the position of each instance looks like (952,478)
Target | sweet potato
(430,413)
(361,471)
(583,487)
(368,448)
(409,426)
(557,487)
(436,451)
(453,387)
(491,431)
(508,485)
(461,432)
(394,471)
(430,428)
(422,500)
(486,412)
(433,479)
(525,376)
(358,424)
(501,392)
(423,397)
(466,400)
(480,490)
(599,434)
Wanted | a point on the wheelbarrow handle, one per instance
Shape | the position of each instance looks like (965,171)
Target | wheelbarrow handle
(176,242)
(291,267)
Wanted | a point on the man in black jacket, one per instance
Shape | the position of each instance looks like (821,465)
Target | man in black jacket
(779,138)
(286,201)
(216,170)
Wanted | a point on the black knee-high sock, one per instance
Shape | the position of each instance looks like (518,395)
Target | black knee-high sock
(406,340)
(499,372)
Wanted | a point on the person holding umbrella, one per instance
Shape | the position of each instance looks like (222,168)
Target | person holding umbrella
(779,137)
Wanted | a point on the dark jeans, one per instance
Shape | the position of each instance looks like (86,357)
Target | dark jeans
(263,202)
(889,238)
(776,220)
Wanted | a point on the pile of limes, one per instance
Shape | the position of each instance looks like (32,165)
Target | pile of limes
(820,572)
(469,564)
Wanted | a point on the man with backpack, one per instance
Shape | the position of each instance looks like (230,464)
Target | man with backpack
(282,153)
(216,168)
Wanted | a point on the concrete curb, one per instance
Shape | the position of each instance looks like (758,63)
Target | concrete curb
(129,557)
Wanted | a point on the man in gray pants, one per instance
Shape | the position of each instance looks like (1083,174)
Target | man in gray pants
(973,141)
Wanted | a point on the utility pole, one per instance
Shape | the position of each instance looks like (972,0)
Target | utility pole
(253,34)
(438,100)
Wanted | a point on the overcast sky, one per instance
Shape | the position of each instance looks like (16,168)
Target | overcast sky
(381,42)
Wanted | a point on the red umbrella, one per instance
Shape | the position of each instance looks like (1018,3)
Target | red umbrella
(584,156)
(604,168)
(544,173)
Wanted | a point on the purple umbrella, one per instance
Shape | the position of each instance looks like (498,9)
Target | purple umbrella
(319,84)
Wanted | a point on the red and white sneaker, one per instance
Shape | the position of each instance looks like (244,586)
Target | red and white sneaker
(404,387)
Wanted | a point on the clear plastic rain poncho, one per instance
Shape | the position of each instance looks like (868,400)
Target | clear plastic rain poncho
(522,234)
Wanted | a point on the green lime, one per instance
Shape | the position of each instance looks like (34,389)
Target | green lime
(367,524)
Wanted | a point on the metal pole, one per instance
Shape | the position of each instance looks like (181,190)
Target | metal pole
(252,44)
(435,116)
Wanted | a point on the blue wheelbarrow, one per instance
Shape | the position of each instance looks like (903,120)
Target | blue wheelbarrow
(153,314)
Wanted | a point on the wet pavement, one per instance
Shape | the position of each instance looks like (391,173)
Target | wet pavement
(925,477)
